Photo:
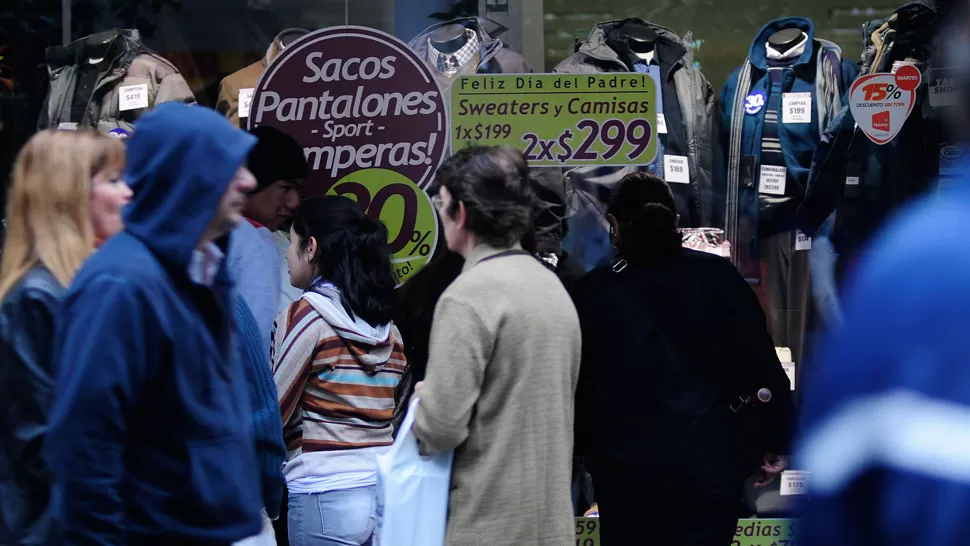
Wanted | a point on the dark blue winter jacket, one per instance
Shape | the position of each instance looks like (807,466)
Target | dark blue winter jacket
(887,409)
(772,214)
(150,436)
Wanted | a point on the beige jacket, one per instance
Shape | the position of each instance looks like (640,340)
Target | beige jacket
(131,65)
(502,370)
(245,78)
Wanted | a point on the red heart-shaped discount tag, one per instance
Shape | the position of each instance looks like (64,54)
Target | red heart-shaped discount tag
(881,103)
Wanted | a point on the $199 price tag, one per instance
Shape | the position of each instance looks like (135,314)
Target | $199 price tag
(405,209)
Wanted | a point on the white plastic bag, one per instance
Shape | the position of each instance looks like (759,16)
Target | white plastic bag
(412,492)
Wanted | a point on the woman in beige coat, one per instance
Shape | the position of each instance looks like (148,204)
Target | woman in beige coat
(504,360)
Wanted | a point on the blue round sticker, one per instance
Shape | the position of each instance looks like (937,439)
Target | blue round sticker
(755,102)
(119,133)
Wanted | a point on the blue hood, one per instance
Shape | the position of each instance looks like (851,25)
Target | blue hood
(758,55)
(180,161)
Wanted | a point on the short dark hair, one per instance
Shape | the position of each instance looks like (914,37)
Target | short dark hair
(352,253)
(645,209)
(493,183)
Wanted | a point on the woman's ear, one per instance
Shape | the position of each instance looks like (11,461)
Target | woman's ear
(311,249)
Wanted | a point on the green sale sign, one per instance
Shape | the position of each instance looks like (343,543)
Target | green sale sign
(749,532)
(559,119)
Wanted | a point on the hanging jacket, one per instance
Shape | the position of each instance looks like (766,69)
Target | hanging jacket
(494,58)
(27,390)
(244,78)
(81,93)
(880,178)
(150,438)
(819,70)
(688,105)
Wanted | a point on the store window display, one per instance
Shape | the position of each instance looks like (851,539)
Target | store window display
(462,47)
(774,109)
(685,126)
(856,184)
(238,87)
(107,81)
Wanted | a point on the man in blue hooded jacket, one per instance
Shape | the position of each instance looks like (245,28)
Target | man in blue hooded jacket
(150,439)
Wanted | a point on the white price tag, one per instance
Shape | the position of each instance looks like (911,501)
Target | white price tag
(802,241)
(789,368)
(797,108)
(852,181)
(676,170)
(661,124)
(67,126)
(245,101)
(773,180)
(794,482)
(131,97)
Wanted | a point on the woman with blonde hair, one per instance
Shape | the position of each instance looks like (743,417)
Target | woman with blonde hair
(65,196)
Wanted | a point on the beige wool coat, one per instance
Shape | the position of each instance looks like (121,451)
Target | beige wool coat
(502,370)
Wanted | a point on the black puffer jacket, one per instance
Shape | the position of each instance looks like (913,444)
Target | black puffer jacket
(26,384)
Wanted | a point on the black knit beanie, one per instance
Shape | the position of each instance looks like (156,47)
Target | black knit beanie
(276,156)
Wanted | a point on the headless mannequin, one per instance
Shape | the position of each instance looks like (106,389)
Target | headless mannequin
(449,39)
(288,38)
(97,46)
(783,40)
(640,39)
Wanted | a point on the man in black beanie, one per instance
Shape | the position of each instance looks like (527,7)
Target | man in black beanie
(279,166)
(256,263)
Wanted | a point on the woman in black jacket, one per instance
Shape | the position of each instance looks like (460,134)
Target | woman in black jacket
(673,341)
(66,195)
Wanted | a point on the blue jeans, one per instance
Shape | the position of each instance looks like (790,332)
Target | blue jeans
(335,518)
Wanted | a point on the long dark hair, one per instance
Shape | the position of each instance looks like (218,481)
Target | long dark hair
(352,253)
(646,212)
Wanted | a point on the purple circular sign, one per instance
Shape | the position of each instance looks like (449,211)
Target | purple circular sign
(354,98)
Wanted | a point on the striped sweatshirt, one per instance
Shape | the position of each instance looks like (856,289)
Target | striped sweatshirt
(337,379)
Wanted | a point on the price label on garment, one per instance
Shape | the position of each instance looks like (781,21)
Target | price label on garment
(676,169)
(559,120)
(794,482)
(881,103)
(773,180)
(945,87)
(789,368)
(661,124)
(587,531)
(802,241)
(797,108)
(245,101)
(132,97)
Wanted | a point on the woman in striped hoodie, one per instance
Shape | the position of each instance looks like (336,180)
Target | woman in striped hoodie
(338,362)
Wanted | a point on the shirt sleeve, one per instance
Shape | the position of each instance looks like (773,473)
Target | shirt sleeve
(104,349)
(293,348)
(460,349)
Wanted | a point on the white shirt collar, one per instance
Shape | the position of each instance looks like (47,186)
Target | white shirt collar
(205,263)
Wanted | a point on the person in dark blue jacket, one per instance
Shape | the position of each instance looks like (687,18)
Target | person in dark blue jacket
(150,438)
(887,413)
